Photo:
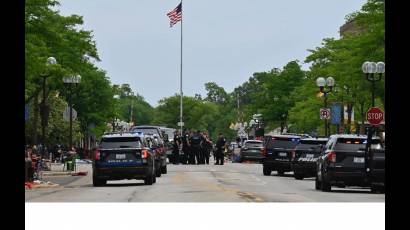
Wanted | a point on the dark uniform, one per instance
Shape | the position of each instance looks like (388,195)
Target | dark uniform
(175,148)
(185,147)
(195,141)
(220,144)
(207,147)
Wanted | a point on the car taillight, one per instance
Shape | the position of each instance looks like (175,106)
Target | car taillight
(264,151)
(144,154)
(97,154)
(331,157)
(293,154)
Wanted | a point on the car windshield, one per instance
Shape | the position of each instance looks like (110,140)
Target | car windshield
(120,142)
(253,144)
(147,131)
(309,144)
(281,142)
(355,144)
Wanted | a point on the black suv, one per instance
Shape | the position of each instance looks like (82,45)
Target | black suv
(305,155)
(123,156)
(162,139)
(342,163)
(278,153)
(252,150)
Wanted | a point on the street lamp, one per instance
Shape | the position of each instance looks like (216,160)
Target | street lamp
(370,69)
(44,109)
(321,83)
(72,80)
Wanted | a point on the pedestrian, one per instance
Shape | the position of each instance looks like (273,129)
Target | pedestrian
(195,142)
(175,148)
(207,147)
(220,145)
(185,147)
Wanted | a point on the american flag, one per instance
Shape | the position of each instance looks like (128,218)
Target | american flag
(175,15)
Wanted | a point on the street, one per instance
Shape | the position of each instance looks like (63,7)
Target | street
(232,182)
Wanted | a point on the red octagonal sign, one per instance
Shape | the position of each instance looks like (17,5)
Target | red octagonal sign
(375,116)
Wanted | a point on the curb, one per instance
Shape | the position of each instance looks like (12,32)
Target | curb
(57,174)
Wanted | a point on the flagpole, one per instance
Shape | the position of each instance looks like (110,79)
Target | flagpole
(181,94)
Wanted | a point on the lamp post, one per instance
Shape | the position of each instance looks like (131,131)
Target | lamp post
(73,80)
(321,83)
(44,109)
(370,69)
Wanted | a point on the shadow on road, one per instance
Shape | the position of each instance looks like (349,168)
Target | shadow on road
(124,184)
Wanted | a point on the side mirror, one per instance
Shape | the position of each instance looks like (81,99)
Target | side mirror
(166,137)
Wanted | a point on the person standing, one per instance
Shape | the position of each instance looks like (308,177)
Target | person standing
(185,147)
(220,146)
(175,147)
(207,147)
(195,141)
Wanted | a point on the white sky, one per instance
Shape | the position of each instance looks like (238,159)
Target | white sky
(225,41)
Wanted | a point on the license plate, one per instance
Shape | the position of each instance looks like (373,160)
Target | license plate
(119,156)
(358,160)
(309,155)
(282,154)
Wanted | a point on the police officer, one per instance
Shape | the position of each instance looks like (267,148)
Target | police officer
(185,146)
(220,145)
(207,146)
(175,147)
(195,141)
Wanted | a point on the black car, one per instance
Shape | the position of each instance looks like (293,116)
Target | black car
(342,163)
(252,150)
(278,153)
(157,149)
(155,132)
(123,156)
(305,155)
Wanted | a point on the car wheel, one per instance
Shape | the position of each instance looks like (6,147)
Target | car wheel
(281,172)
(154,180)
(325,186)
(99,182)
(377,189)
(266,171)
(158,172)
(164,170)
(298,176)
(317,183)
(149,180)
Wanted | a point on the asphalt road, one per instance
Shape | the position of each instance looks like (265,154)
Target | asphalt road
(232,182)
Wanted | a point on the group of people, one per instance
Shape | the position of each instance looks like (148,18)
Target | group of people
(196,148)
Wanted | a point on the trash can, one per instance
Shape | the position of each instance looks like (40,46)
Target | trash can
(70,166)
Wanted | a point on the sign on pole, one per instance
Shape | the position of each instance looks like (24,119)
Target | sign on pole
(180,123)
(336,114)
(324,113)
(375,116)
(66,114)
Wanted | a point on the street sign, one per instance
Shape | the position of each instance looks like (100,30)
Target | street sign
(180,123)
(66,114)
(324,113)
(375,116)
(336,114)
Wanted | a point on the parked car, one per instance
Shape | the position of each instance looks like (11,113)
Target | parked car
(305,155)
(157,147)
(169,133)
(123,156)
(155,132)
(342,163)
(277,153)
(252,150)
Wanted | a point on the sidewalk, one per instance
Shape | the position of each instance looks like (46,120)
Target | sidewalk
(57,169)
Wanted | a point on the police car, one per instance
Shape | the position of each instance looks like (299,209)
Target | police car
(305,155)
(123,155)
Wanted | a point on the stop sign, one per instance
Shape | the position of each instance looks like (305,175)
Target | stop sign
(375,116)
